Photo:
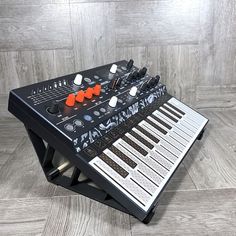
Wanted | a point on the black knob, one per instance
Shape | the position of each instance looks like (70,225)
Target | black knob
(143,86)
(157,79)
(54,108)
(151,83)
(130,64)
(142,72)
(132,76)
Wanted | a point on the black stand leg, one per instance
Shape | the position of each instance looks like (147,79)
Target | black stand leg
(55,176)
(148,217)
(200,135)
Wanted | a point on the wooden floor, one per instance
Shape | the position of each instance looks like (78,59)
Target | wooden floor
(199,200)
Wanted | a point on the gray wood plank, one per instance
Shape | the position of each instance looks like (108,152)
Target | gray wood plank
(27,67)
(22,176)
(3,158)
(93,34)
(157,22)
(212,160)
(218,43)
(11,134)
(27,27)
(216,97)
(4,113)
(23,216)
(77,215)
(181,180)
(178,69)
(192,213)
(32,2)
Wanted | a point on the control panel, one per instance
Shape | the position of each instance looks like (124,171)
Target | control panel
(86,105)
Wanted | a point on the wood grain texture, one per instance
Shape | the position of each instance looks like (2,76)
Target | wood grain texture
(21,175)
(179,70)
(211,162)
(216,97)
(77,215)
(3,158)
(27,27)
(8,142)
(93,34)
(157,22)
(4,113)
(217,43)
(23,216)
(192,213)
(32,2)
(26,67)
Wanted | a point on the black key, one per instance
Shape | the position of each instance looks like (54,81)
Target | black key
(123,157)
(141,139)
(160,121)
(134,145)
(146,133)
(177,109)
(167,115)
(121,171)
(172,112)
(156,126)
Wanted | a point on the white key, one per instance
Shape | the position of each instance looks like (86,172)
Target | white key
(151,163)
(141,165)
(125,185)
(149,160)
(173,124)
(151,129)
(185,134)
(139,178)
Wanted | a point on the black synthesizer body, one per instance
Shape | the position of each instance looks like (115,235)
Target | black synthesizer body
(111,133)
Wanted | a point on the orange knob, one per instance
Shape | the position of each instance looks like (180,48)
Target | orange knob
(97,89)
(89,93)
(80,96)
(70,101)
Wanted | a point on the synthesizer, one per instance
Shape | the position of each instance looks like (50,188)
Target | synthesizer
(111,133)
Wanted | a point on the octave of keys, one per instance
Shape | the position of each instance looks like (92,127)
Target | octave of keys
(141,162)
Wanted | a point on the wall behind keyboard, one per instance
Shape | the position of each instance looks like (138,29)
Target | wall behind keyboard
(191,44)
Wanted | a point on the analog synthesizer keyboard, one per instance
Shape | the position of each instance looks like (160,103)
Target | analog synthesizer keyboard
(111,133)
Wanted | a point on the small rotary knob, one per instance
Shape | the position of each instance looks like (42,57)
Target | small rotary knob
(133,91)
(129,65)
(54,108)
(78,79)
(70,101)
(113,101)
(113,69)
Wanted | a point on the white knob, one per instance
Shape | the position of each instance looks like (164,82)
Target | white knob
(133,91)
(113,69)
(78,79)
(113,101)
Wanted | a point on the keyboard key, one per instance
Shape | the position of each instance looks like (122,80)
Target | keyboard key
(141,139)
(134,145)
(120,170)
(169,116)
(174,107)
(156,126)
(142,130)
(172,112)
(123,157)
(160,121)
